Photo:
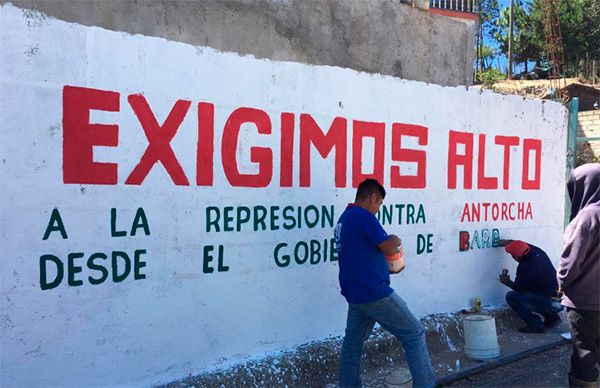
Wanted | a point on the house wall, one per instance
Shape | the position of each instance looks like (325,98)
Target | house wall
(383,36)
(168,209)
(588,125)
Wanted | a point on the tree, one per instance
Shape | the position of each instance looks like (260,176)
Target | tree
(579,22)
(526,43)
(488,13)
(486,56)
(580,28)
(591,21)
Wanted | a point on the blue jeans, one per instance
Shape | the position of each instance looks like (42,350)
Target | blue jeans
(394,316)
(526,304)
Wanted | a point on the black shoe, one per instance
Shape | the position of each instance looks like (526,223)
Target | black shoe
(531,329)
(552,321)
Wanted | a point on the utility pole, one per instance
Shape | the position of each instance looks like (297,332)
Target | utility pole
(510,41)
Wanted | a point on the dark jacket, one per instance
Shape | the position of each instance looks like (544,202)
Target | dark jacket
(536,274)
(579,268)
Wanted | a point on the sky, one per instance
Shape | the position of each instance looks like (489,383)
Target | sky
(502,59)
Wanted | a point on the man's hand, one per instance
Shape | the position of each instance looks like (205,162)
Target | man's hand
(503,243)
(400,270)
(505,279)
(390,246)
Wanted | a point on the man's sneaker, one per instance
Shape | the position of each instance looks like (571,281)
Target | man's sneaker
(552,321)
(531,329)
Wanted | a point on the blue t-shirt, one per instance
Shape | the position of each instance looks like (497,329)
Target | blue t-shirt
(364,274)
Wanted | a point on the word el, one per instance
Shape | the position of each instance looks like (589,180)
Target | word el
(208,257)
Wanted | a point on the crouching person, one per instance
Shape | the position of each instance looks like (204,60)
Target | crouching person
(534,288)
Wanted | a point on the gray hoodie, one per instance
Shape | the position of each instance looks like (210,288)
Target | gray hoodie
(579,268)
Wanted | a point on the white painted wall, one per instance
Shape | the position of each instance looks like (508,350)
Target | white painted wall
(180,320)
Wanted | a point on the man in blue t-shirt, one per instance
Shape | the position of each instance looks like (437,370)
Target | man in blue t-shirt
(534,287)
(362,245)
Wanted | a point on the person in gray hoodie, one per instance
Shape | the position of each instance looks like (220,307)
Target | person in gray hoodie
(579,274)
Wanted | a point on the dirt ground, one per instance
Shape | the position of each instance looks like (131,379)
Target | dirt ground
(547,369)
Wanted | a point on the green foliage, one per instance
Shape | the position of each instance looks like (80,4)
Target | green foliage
(580,28)
(527,44)
(488,13)
(486,54)
(591,21)
(579,24)
(489,77)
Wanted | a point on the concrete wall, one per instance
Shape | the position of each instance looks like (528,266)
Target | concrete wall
(378,36)
(167,209)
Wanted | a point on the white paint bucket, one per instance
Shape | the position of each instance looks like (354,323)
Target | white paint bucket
(481,340)
(396,261)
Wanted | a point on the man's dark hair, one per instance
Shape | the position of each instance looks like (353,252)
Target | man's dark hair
(367,187)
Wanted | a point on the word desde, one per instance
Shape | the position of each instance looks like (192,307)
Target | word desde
(119,266)
(80,137)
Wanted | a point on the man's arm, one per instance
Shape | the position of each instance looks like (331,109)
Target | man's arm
(505,279)
(575,250)
(390,246)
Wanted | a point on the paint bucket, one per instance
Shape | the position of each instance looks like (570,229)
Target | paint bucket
(396,261)
(399,378)
(481,340)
